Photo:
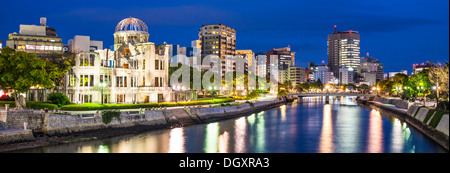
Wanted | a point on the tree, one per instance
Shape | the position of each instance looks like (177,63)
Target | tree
(288,85)
(438,76)
(20,71)
(364,88)
(59,64)
(319,84)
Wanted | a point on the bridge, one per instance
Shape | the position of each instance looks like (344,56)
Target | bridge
(328,94)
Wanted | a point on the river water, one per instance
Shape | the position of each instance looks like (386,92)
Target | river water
(308,127)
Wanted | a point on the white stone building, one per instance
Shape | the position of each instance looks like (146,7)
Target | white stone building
(136,71)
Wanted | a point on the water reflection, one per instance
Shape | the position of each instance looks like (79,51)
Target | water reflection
(397,137)
(311,126)
(283,113)
(260,133)
(240,127)
(211,137)
(375,144)
(176,141)
(326,137)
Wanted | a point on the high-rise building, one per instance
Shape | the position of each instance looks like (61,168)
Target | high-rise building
(261,64)
(218,39)
(343,50)
(372,65)
(346,75)
(39,39)
(325,76)
(297,75)
(81,43)
(285,57)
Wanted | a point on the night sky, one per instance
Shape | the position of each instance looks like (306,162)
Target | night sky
(397,32)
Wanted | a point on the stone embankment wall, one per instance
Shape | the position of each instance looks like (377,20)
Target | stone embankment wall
(54,124)
(432,123)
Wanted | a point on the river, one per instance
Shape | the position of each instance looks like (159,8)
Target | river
(308,127)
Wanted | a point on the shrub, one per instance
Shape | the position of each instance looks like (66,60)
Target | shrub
(41,105)
(443,105)
(95,106)
(253,94)
(107,116)
(429,114)
(59,99)
(11,103)
(437,118)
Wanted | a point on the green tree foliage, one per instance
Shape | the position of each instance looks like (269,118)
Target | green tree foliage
(364,88)
(59,99)
(20,71)
(420,83)
(58,65)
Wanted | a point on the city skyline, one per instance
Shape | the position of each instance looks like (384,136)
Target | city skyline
(303,26)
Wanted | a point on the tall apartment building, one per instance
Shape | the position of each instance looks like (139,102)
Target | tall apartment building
(220,40)
(343,50)
(298,75)
(285,57)
(39,39)
(217,39)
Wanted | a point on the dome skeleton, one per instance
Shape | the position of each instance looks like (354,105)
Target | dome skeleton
(132,24)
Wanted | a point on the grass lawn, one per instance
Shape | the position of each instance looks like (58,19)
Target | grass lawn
(95,106)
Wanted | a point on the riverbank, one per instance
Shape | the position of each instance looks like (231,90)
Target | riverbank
(434,124)
(53,129)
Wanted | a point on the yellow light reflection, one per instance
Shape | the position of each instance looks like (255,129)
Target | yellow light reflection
(240,128)
(86,149)
(326,137)
(375,144)
(176,141)
(283,113)
(223,143)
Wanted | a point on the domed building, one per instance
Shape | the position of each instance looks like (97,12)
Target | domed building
(130,30)
(136,71)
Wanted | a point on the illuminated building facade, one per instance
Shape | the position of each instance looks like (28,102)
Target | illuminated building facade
(220,40)
(136,71)
(217,39)
(343,50)
(39,39)
(417,68)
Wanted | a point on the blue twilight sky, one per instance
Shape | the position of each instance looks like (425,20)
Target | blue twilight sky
(397,32)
